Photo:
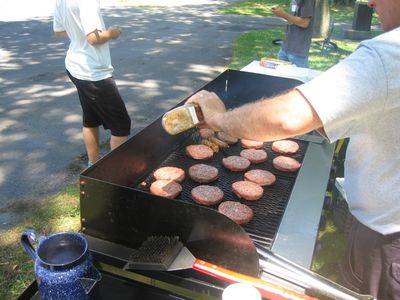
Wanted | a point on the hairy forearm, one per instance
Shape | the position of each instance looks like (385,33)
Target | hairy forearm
(280,117)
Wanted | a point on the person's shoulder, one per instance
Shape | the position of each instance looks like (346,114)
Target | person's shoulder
(389,35)
(386,39)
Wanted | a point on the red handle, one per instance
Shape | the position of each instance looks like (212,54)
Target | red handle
(267,289)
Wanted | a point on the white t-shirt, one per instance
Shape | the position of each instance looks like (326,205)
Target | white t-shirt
(78,18)
(360,98)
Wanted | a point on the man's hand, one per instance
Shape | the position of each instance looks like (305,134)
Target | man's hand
(115,32)
(211,106)
(98,37)
(278,11)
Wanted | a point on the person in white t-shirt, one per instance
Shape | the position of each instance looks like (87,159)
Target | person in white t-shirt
(88,65)
(358,98)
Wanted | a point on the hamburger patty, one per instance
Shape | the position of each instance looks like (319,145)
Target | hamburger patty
(286,164)
(236,211)
(169,173)
(199,151)
(166,188)
(285,146)
(203,173)
(236,163)
(255,156)
(207,195)
(261,177)
(205,133)
(247,190)
(226,138)
(250,144)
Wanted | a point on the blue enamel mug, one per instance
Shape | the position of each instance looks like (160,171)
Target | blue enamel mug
(63,264)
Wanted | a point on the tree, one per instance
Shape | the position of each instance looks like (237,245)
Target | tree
(321,19)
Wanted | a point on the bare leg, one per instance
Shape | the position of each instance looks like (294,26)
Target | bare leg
(115,141)
(91,139)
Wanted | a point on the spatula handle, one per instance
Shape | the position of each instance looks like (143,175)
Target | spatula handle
(267,289)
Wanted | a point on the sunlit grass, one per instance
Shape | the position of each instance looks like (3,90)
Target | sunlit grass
(339,12)
(254,7)
(332,241)
(57,214)
(257,44)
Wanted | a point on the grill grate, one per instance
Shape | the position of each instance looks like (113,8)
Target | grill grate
(268,211)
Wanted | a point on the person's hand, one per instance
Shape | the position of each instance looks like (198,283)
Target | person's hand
(278,11)
(115,32)
(210,105)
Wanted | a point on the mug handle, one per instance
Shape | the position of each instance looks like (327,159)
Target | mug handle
(28,237)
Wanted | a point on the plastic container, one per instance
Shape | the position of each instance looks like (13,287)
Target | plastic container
(241,291)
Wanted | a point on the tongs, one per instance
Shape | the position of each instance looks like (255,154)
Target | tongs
(313,281)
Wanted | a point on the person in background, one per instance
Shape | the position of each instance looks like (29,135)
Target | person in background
(358,98)
(297,41)
(88,65)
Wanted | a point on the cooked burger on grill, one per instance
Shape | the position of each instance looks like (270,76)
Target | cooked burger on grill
(166,188)
(170,173)
(207,195)
(261,177)
(199,151)
(236,163)
(247,190)
(206,133)
(285,146)
(250,144)
(226,138)
(286,164)
(236,211)
(255,156)
(203,173)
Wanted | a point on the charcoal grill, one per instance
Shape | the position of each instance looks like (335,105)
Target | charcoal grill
(118,212)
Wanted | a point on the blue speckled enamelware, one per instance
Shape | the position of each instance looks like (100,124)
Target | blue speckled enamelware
(63,264)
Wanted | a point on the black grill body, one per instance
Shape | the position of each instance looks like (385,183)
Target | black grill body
(118,212)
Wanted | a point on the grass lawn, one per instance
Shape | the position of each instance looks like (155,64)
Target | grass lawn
(57,214)
(61,213)
(257,44)
(339,12)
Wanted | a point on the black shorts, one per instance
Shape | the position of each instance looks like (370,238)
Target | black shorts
(102,105)
(371,264)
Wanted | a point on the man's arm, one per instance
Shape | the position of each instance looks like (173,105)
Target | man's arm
(98,37)
(283,116)
(303,22)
